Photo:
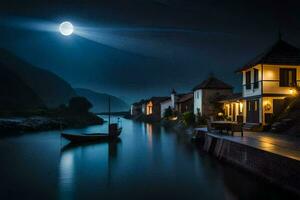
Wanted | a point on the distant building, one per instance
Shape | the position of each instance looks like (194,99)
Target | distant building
(138,108)
(165,105)
(207,93)
(267,80)
(153,107)
(179,103)
(185,103)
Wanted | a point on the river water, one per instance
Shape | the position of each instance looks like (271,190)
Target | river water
(149,162)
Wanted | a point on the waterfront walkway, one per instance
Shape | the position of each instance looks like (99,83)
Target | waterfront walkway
(284,145)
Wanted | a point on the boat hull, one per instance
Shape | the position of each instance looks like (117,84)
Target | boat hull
(93,137)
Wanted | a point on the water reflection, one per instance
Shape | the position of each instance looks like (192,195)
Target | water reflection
(91,162)
(150,162)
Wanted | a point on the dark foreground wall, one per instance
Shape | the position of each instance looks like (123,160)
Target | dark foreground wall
(280,170)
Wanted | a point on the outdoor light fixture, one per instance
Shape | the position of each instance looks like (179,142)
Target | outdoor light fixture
(220,114)
(292,91)
(66,28)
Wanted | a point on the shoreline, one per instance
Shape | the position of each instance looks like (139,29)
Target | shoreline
(47,123)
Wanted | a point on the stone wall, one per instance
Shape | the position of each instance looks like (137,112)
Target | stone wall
(283,171)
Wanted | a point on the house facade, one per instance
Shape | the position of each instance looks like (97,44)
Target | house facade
(138,108)
(179,103)
(185,103)
(153,107)
(207,93)
(165,105)
(233,107)
(268,80)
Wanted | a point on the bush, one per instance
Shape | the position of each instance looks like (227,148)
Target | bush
(168,112)
(79,105)
(188,118)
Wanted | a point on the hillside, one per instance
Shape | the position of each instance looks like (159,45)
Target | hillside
(50,88)
(100,101)
(15,94)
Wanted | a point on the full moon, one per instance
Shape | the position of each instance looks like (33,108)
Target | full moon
(66,28)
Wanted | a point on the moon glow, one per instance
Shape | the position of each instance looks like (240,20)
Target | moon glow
(66,28)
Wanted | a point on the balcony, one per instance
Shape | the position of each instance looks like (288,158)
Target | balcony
(252,89)
(269,87)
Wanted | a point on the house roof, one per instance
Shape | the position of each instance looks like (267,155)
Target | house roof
(140,102)
(281,53)
(212,83)
(158,99)
(167,99)
(185,97)
(232,97)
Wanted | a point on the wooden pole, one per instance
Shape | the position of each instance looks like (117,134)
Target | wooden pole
(108,114)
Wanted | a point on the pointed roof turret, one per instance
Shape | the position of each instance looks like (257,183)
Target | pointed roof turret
(173,91)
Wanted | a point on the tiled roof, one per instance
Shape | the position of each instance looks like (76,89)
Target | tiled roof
(212,83)
(158,99)
(167,99)
(233,97)
(185,97)
(280,53)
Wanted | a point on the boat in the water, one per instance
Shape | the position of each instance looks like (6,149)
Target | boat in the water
(114,131)
(92,137)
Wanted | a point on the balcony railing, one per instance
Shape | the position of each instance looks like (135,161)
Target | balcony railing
(269,86)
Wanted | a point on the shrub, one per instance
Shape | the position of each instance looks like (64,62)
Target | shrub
(188,118)
(200,120)
(168,112)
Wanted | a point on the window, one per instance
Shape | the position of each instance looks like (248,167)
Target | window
(287,78)
(197,94)
(248,80)
(255,78)
(255,105)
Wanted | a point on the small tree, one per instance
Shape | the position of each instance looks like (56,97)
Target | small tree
(79,105)
(168,112)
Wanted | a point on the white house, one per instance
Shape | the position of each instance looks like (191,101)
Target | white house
(207,92)
(267,80)
(165,105)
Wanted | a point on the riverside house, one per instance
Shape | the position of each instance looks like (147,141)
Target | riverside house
(138,108)
(153,107)
(179,103)
(207,93)
(165,105)
(267,80)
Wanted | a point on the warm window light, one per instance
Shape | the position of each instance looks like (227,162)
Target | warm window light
(241,107)
(269,75)
(292,91)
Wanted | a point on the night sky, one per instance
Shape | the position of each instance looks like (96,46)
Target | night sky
(145,48)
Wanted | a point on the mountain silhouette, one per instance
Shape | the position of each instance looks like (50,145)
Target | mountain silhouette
(48,87)
(100,101)
(16,95)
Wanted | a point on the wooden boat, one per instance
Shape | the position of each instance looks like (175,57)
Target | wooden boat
(114,132)
(91,137)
